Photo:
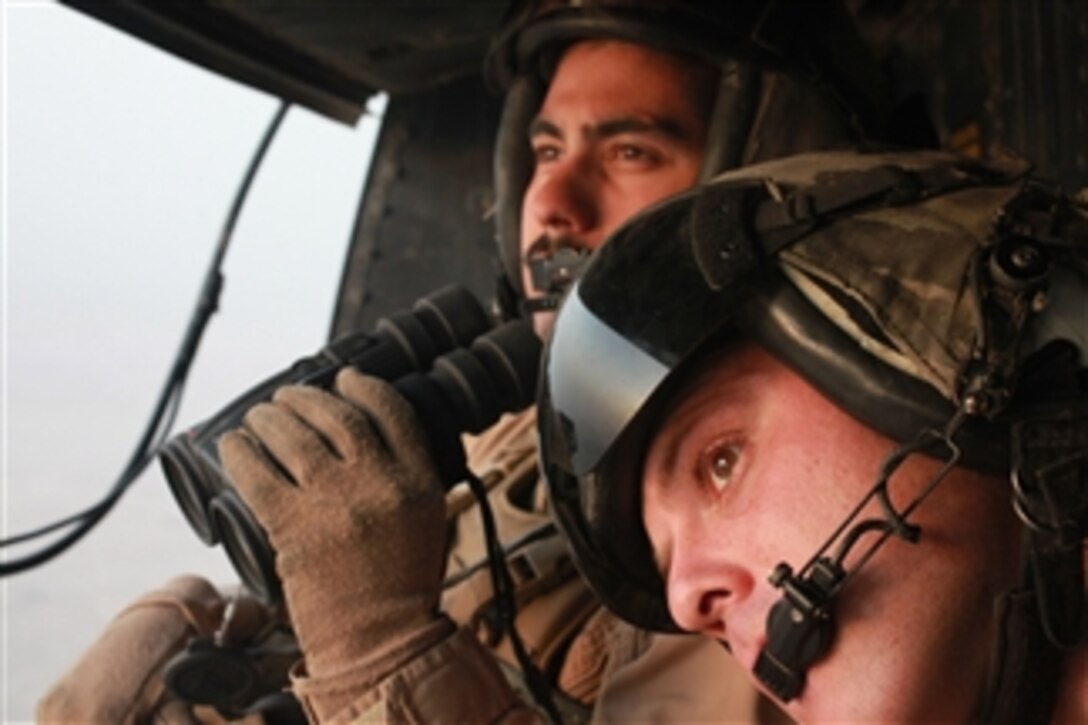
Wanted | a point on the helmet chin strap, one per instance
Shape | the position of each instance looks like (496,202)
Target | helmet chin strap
(801,625)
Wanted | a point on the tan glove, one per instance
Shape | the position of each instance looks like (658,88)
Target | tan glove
(346,491)
(118,679)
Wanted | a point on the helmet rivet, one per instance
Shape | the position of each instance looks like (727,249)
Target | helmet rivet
(975,403)
(1019,263)
(1025,256)
(1039,301)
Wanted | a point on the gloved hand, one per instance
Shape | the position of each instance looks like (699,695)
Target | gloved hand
(346,491)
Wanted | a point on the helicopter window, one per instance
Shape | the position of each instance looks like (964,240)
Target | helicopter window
(120,163)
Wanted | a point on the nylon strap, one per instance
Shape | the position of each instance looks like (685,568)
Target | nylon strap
(735,226)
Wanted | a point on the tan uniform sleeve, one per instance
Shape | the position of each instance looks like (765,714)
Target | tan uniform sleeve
(453,681)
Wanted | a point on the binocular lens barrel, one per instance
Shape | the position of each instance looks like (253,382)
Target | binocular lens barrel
(193,488)
(466,391)
(246,546)
(458,380)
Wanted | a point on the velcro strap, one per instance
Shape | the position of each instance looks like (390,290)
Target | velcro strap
(736,225)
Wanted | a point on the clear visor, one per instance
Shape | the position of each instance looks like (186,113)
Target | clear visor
(597,380)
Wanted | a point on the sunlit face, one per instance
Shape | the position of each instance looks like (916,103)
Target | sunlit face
(621,126)
(752,467)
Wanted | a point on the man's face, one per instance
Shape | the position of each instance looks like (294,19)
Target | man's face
(621,126)
(752,467)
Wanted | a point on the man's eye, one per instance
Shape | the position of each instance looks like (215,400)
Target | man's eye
(630,152)
(635,156)
(720,463)
(545,152)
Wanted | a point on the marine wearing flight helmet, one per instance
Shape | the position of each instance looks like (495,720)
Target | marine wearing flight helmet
(791,76)
(846,434)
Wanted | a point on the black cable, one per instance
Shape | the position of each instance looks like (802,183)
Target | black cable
(505,604)
(162,418)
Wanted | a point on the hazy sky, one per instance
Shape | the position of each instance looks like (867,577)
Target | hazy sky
(119,166)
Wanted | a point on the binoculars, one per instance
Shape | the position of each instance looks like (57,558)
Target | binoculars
(458,373)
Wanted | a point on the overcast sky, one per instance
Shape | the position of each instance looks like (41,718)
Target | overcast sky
(119,166)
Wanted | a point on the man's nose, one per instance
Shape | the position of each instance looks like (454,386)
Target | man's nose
(703,589)
(565,201)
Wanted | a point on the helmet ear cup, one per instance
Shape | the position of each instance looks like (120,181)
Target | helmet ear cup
(512,171)
(735,106)
(773,131)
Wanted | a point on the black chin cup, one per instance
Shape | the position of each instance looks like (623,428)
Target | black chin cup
(800,626)
(553,274)
(537,305)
